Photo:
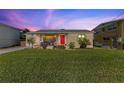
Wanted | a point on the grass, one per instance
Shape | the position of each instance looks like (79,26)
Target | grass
(86,65)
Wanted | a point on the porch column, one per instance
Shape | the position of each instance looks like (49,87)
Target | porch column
(41,38)
(58,40)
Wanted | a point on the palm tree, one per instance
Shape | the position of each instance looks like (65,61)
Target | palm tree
(83,42)
(31,41)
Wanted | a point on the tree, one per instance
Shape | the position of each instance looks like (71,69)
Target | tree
(31,41)
(25,30)
(23,36)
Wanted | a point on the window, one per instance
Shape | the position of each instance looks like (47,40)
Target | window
(112,27)
(96,33)
(106,38)
(103,29)
(50,39)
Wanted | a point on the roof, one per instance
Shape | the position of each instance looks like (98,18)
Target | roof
(9,26)
(49,31)
(109,22)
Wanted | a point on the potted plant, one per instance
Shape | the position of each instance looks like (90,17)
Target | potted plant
(44,44)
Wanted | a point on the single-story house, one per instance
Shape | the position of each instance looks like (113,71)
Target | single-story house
(9,36)
(60,37)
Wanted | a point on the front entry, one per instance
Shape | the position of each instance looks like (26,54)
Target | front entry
(62,39)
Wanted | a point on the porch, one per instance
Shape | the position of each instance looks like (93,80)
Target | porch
(51,39)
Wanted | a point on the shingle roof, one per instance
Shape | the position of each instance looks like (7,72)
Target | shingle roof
(47,31)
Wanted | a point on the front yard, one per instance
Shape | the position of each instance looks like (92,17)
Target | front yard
(86,65)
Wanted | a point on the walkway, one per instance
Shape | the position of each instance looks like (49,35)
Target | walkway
(11,49)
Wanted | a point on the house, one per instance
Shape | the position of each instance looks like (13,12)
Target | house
(9,36)
(110,34)
(60,37)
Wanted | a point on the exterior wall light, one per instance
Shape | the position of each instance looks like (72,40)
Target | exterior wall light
(81,36)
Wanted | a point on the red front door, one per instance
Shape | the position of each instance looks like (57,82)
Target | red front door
(62,39)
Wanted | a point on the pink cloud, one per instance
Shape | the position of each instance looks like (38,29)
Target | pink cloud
(49,17)
(52,21)
(32,29)
(15,18)
(57,23)
(87,23)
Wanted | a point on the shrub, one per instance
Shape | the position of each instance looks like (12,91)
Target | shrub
(60,47)
(71,45)
(44,45)
(83,42)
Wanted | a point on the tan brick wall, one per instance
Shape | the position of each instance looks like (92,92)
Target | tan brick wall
(90,38)
(73,37)
(37,39)
(70,37)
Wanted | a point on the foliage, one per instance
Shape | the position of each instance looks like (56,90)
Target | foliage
(44,45)
(25,30)
(67,66)
(23,34)
(71,45)
(83,42)
(59,47)
(31,41)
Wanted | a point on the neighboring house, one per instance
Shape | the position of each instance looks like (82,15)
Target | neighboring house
(9,36)
(60,37)
(110,34)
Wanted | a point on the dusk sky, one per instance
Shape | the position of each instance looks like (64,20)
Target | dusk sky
(37,19)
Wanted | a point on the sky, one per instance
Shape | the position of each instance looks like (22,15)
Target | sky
(36,19)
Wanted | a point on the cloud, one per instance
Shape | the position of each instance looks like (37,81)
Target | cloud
(17,18)
(14,18)
(54,20)
(32,28)
(49,17)
(58,23)
(87,23)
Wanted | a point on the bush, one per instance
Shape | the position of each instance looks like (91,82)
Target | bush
(59,47)
(44,45)
(71,45)
(83,42)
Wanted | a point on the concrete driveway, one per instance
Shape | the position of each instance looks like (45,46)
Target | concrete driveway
(11,49)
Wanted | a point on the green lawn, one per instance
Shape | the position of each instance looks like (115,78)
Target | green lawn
(86,65)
